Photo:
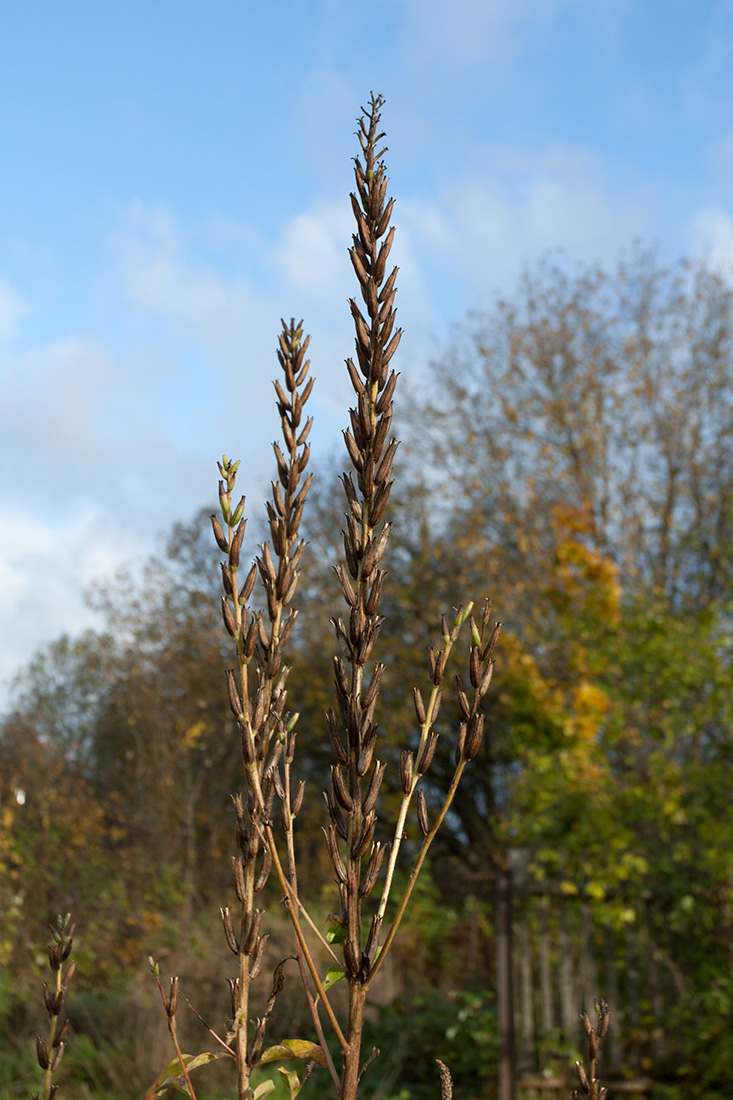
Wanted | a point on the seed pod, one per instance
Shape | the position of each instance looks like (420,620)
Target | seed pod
(432,664)
(254,931)
(260,707)
(172,1002)
(436,706)
(486,678)
(474,668)
(221,541)
(69,973)
(359,846)
(59,1037)
(370,799)
(264,872)
(406,771)
(333,850)
(42,1052)
(491,644)
(419,706)
(231,939)
(474,737)
(226,579)
(228,616)
(237,513)
(372,691)
(56,1063)
(50,1000)
(463,701)
(336,816)
(422,813)
(346,586)
(373,867)
(235,995)
(298,800)
(285,819)
(338,746)
(235,700)
(238,872)
(339,789)
(366,751)
(257,955)
(236,546)
(582,1077)
(426,757)
(248,585)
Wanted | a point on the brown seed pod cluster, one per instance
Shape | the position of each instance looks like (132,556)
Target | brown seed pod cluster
(356,779)
(257,694)
(49,1052)
(589,1084)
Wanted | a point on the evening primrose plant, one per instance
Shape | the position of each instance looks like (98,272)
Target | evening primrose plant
(349,949)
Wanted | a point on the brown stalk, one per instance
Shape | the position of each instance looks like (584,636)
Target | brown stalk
(49,1052)
(590,1085)
(258,701)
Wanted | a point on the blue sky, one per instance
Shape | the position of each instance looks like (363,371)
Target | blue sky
(175,179)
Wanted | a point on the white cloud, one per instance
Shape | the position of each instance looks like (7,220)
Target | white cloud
(12,308)
(711,237)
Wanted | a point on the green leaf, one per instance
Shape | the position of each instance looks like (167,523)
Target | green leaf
(292,1080)
(263,1089)
(294,1048)
(335,930)
(172,1078)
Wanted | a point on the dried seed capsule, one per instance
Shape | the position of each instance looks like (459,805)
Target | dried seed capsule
(235,994)
(474,736)
(60,1034)
(339,789)
(491,644)
(359,846)
(463,702)
(333,850)
(235,700)
(371,874)
(406,770)
(264,871)
(475,666)
(419,706)
(435,709)
(248,585)
(426,757)
(338,746)
(582,1077)
(298,800)
(370,799)
(422,813)
(226,579)
(486,678)
(239,886)
(228,616)
(254,932)
(231,939)
(221,541)
(42,1052)
(257,955)
(172,1003)
(236,546)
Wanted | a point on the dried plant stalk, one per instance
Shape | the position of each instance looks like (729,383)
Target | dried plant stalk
(256,687)
(49,1052)
(590,1086)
